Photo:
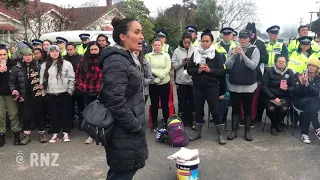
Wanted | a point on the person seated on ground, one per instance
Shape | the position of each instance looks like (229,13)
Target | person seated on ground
(278,83)
(307,99)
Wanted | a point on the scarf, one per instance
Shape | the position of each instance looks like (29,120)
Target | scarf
(134,57)
(200,54)
(278,71)
(246,47)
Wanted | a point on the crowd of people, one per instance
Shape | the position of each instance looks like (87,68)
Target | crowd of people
(41,83)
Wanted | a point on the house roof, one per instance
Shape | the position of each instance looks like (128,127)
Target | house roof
(80,18)
(7,27)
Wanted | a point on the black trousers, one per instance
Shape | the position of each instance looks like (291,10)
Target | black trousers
(277,113)
(241,98)
(123,175)
(60,111)
(309,106)
(162,92)
(89,99)
(79,100)
(211,94)
(32,112)
(185,98)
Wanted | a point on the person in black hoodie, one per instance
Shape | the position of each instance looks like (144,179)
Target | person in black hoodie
(78,97)
(122,94)
(206,68)
(278,84)
(258,100)
(7,102)
(25,85)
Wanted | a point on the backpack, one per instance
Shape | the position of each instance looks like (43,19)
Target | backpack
(177,136)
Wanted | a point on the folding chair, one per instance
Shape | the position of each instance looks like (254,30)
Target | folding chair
(170,103)
(288,120)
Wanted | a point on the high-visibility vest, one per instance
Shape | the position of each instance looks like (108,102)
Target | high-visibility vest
(272,51)
(221,49)
(63,53)
(165,48)
(9,54)
(81,50)
(294,45)
(298,62)
(195,43)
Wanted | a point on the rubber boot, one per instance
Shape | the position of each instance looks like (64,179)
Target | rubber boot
(16,138)
(225,125)
(2,140)
(26,139)
(193,121)
(221,139)
(197,132)
(235,126)
(247,124)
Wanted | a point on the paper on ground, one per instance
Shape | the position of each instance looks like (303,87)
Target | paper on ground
(184,155)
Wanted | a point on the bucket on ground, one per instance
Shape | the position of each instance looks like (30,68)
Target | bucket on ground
(188,170)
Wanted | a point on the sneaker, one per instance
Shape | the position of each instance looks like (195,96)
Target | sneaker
(252,124)
(241,123)
(89,140)
(305,138)
(54,138)
(66,137)
(317,133)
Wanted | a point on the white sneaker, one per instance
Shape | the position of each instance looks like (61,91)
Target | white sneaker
(89,140)
(54,138)
(66,137)
(305,138)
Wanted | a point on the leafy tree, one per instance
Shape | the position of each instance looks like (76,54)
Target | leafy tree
(207,14)
(137,9)
(172,28)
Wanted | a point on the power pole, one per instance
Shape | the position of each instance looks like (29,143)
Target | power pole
(300,21)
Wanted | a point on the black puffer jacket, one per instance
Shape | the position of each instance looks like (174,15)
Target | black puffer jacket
(264,56)
(19,80)
(123,94)
(311,91)
(271,83)
(4,79)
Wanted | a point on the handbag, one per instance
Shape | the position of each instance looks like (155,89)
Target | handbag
(98,121)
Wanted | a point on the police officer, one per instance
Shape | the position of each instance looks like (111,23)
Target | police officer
(37,43)
(162,35)
(193,31)
(62,45)
(227,42)
(85,38)
(273,46)
(235,36)
(299,59)
(294,44)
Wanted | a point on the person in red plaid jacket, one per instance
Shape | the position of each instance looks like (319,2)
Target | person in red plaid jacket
(89,75)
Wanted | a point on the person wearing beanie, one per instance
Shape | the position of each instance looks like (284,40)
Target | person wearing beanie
(278,84)
(299,59)
(206,69)
(242,63)
(58,80)
(258,100)
(294,44)
(25,86)
(307,99)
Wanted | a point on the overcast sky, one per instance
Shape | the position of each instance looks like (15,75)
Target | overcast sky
(272,12)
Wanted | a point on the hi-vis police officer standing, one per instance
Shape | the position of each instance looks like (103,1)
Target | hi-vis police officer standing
(85,38)
(227,42)
(273,46)
(62,45)
(294,44)
(193,31)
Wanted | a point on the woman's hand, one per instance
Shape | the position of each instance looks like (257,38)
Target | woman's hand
(240,51)
(277,100)
(235,51)
(301,79)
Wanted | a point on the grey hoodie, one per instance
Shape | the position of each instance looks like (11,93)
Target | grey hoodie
(179,54)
